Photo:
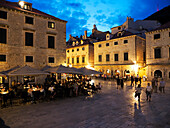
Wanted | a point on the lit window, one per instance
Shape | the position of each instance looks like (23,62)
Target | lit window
(2,58)
(3,36)
(29,58)
(51,60)
(51,25)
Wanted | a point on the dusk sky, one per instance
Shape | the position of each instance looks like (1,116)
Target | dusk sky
(82,14)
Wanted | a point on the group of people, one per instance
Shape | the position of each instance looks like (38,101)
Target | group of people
(48,91)
(151,88)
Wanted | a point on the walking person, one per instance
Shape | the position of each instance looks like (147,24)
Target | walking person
(132,80)
(162,86)
(138,91)
(156,86)
(148,92)
(118,82)
(121,82)
(153,83)
(136,81)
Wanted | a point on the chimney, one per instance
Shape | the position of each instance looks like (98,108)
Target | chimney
(70,36)
(94,27)
(85,34)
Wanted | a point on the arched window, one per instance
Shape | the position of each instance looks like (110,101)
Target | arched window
(158,74)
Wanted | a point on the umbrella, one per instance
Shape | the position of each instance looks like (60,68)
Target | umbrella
(26,70)
(61,69)
(86,71)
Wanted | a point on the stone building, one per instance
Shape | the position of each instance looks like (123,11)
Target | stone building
(138,27)
(158,52)
(80,51)
(122,53)
(30,37)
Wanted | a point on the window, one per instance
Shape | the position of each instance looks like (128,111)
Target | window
(119,28)
(169,34)
(68,60)
(51,60)
(100,45)
(72,60)
(51,42)
(169,75)
(125,56)
(169,52)
(156,36)
(157,53)
(83,59)
(77,59)
(29,58)
(83,48)
(116,57)
(3,35)
(27,7)
(68,51)
(3,58)
(115,43)
(51,25)
(144,56)
(29,20)
(125,41)
(100,58)
(28,39)
(77,49)
(107,57)
(72,50)
(3,15)
(107,44)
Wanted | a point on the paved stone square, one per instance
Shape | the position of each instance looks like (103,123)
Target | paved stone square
(110,108)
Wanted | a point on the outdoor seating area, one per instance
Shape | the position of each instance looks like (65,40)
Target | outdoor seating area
(20,94)
(76,82)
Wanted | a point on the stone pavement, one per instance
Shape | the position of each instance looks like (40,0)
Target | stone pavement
(110,108)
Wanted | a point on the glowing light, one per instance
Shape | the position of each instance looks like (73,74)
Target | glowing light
(21,3)
(70,65)
(88,67)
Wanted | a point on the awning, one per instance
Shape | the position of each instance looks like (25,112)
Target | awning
(24,71)
(86,71)
(61,69)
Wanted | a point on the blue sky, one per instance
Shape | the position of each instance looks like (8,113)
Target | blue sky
(82,14)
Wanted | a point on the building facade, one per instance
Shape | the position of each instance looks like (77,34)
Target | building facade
(30,37)
(158,52)
(80,51)
(123,54)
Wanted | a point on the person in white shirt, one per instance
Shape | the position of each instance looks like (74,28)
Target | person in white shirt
(148,92)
